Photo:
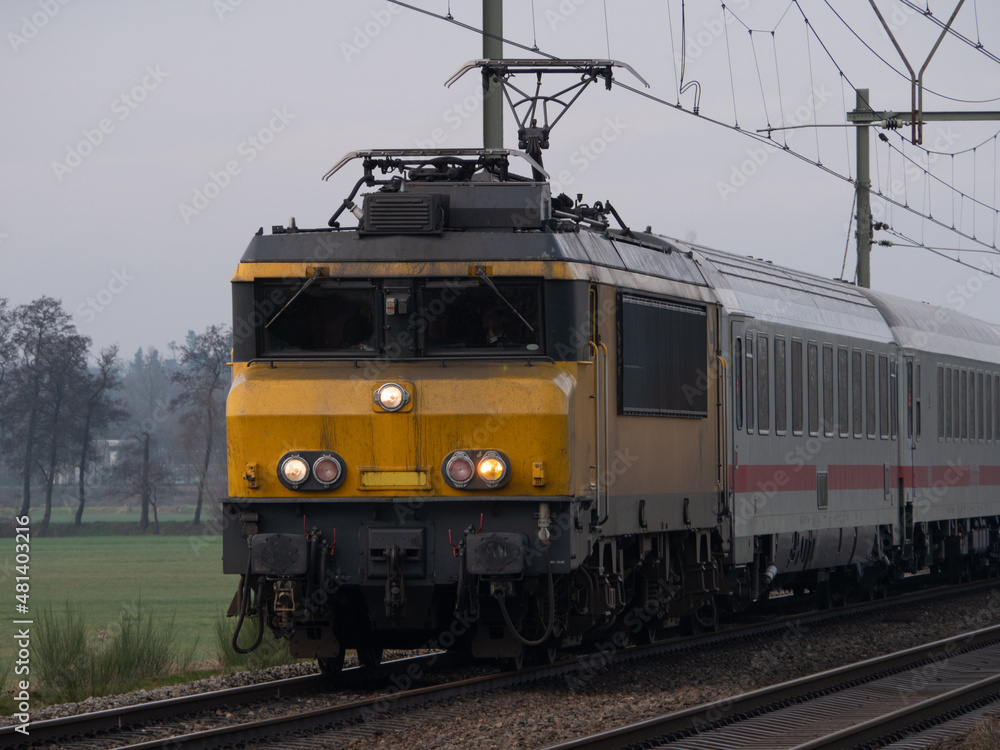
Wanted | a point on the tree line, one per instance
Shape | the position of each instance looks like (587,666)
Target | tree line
(59,399)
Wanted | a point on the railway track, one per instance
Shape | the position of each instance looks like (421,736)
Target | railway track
(145,727)
(868,704)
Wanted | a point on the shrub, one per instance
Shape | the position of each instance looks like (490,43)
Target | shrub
(76,660)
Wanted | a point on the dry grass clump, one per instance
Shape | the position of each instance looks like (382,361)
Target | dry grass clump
(985,736)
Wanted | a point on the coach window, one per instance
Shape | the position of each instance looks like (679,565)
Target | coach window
(883,396)
(796,387)
(940,401)
(812,372)
(870,394)
(949,411)
(996,405)
(749,376)
(856,392)
(828,415)
(780,381)
(843,391)
(763,400)
(963,404)
(738,380)
(988,405)
(980,422)
(956,403)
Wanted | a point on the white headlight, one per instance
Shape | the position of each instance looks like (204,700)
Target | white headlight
(294,470)
(392,397)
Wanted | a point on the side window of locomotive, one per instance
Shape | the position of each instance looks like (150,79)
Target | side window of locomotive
(663,355)
(843,394)
(763,400)
(457,316)
(322,318)
(738,381)
(780,383)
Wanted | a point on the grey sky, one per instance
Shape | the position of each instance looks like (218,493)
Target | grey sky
(146,141)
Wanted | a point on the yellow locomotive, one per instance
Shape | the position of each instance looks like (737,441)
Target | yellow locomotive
(439,425)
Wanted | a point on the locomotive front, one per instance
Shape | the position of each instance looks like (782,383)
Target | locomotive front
(403,469)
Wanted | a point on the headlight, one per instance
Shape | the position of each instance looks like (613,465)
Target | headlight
(312,471)
(492,468)
(476,469)
(327,470)
(459,469)
(294,470)
(392,397)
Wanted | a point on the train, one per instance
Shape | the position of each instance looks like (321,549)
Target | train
(495,420)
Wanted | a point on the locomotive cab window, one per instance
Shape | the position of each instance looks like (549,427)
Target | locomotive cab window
(477,315)
(663,356)
(323,317)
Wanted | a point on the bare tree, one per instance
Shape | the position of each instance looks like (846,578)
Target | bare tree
(204,379)
(59,388)
(7,353)
(99,408)
(41,331)
(146,387)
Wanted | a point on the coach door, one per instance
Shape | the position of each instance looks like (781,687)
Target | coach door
(740,427)
(909,436)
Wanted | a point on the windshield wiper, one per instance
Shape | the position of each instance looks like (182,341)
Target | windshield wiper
(310,280)
(481,273)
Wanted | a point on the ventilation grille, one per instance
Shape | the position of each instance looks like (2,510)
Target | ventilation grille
(404,214)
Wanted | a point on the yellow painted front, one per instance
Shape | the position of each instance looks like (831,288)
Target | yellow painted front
(525,412)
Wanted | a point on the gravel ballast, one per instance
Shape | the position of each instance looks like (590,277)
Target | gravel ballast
(603,697)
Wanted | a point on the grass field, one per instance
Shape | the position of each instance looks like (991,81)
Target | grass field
(177,576)
(116,513)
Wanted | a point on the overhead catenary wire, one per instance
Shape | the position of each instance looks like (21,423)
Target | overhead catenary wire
(735,126)
(977,45)
(896,70)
